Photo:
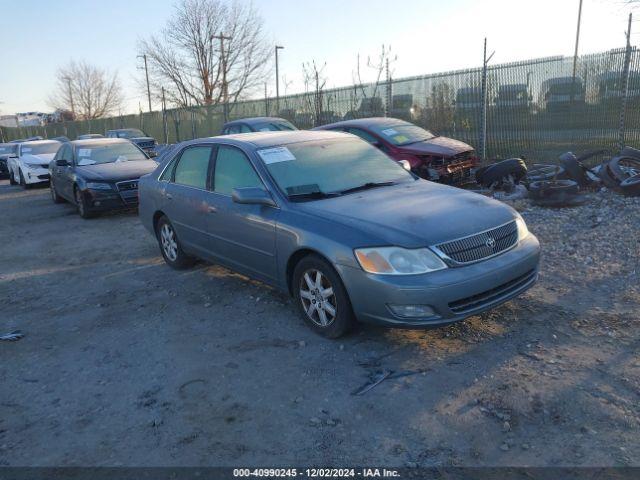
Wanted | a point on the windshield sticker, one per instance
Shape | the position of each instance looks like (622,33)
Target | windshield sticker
(400,138)
(122,158)
(26,150)
(85,161)
(276,155)
(264,129)
(84,152)
(389,132)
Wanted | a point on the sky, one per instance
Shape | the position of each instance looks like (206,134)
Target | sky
(427,36)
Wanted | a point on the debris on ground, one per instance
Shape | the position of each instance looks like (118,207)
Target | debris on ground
(12,337)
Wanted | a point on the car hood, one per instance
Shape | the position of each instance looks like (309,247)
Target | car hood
(116,171)
(42,158)
(412,215)
(439,146)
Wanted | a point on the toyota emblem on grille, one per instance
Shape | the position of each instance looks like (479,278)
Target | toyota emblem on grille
(491,242)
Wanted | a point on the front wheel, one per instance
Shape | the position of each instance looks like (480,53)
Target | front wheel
(12,178)
(170,247)
(322,298)
(81,203)
(54,194)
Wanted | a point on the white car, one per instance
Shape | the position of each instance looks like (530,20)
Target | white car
(31,165)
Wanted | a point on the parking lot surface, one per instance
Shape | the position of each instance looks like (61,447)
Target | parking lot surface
(127,362)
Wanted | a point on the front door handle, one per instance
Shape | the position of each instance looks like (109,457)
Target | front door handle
(212,209)
(169,196)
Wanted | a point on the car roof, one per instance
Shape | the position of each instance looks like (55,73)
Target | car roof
(269,139)
(97,142)
(365,123)
(123,129)
(254,120)
(40,142)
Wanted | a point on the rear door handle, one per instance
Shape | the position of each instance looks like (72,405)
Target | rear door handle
(212,209)
(169,196)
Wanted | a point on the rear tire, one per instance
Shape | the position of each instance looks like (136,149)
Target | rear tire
(170,247)
(321,297)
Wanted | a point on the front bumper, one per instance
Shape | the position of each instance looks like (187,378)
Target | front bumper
(106,200)
(454,293)
(37,175)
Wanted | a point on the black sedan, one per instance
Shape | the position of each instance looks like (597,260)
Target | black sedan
(99,174)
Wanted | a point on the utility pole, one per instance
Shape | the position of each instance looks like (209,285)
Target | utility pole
(575,53)
(73,110)
(625,86)
(483,108)
(278,47)
(146,72)
(225,87)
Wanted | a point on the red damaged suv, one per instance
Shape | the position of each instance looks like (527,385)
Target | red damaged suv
(430,156)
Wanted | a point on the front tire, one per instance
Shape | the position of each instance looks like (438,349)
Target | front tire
(12,179)
(170,247)
(54,194)
(81,203)
(23,183)
(321,297)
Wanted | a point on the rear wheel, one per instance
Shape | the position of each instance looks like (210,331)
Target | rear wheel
(170,247)
(321,297)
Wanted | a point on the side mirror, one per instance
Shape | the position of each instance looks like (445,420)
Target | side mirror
(405,164)
(152,154)
(252,196)
(62,163)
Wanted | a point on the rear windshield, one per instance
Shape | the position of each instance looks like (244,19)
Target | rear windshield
(40,148)
(403,134)
(4,149)
(133,133)
(120,152)
(274,126)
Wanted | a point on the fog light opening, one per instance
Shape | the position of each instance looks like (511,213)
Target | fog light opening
(412,311)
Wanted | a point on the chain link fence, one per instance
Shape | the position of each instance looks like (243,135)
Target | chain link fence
(534,108)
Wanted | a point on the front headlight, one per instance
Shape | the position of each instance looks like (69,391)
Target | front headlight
(398,261)
(98,186)
(523,231)
(32,166)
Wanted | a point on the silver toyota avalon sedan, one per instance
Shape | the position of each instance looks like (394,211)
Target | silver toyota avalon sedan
(340,226)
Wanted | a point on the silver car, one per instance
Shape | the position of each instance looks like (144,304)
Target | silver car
(340,226)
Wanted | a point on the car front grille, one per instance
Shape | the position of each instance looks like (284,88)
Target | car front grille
(493,295)
(128,191)
(479,246)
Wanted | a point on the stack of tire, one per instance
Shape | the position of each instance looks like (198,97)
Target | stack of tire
(502,175)
(622,173)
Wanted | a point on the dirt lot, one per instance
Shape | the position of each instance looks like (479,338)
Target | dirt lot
(127,362)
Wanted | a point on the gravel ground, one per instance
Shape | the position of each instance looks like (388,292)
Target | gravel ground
(127,362)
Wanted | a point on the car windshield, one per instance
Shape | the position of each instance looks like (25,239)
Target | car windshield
(274,126)
(39,148)
(108,153)
(330,166)
(4,149)
(403,134)
(132,133)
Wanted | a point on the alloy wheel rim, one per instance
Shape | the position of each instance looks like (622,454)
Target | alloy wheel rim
(169,244)
(318,298)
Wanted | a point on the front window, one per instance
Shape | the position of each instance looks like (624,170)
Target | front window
(233,170)
(403,134)
(330,166)
(120,152)
(274,126)
(39,148)
(8,149)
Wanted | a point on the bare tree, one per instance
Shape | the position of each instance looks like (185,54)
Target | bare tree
(380,65)
(189,63)
(314,84)
(86,90)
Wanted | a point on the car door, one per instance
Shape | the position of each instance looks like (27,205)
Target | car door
(370,138)
(65,175)
(185,198)
(245,234)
